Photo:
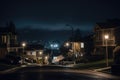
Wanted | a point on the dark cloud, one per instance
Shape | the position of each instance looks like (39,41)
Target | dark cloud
(57,13)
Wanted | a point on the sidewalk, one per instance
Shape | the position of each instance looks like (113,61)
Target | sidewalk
(106,70)
(102,69)
(4,68)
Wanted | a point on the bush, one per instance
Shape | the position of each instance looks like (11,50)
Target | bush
(93,58)
(12,59)
(115,69)
(82,60)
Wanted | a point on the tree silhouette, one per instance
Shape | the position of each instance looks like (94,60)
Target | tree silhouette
(77,36)
(11,27)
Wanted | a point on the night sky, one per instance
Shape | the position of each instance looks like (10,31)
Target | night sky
(55,14)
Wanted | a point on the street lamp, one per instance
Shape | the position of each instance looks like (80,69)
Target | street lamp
(23,45)
(46,60)
(106,38)
(67,44)
(40,52)
(46,57)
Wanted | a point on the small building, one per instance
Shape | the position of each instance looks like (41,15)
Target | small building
(106,28)
(8,39)
(76,49)
(35,53)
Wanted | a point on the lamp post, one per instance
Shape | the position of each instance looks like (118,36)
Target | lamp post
(67,44)
(23,45)
(74,52)
(41,56)
(106,38)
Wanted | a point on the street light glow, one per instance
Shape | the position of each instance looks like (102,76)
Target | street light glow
(23,44)
(40,52)
(54,45)
(46,57)
(106,36)
(51,45)
(67,44)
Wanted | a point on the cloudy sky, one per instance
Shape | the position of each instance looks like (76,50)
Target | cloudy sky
(55,14)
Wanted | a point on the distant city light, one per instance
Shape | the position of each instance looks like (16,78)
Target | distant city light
(54,45)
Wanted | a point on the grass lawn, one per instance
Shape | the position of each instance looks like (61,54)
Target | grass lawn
(93,65)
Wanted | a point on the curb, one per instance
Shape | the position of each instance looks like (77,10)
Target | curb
(101,69)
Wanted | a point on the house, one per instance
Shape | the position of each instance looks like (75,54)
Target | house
(74,50)
(105,28)
(35,52)
(8,39)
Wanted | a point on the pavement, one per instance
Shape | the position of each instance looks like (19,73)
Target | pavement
(67,66)
(56,73)
(11,69)
(94,71)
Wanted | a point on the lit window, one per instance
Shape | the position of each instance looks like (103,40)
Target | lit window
(82,45)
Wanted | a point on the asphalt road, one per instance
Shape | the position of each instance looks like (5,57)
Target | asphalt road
(53,73)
